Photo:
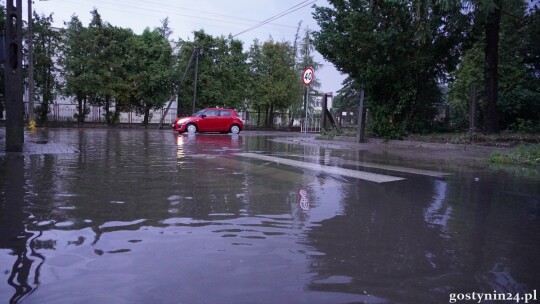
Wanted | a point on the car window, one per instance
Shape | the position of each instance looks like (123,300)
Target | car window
(211,113)
(224,113)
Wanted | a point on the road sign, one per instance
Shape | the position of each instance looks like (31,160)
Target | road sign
(308,75)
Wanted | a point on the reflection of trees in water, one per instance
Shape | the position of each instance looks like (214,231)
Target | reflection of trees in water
(382,242)
(404,243)
(494,234)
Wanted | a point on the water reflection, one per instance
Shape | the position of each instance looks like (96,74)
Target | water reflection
(14,237)
(156,217)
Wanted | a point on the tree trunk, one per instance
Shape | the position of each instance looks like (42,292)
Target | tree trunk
(146,116)
(108,116)
(271,116)
(80,108)
(491,77)
(266,121)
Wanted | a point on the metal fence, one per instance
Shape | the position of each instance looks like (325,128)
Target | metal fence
(66,112)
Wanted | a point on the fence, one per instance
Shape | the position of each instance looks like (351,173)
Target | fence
(66,112)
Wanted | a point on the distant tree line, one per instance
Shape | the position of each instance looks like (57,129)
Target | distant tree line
(104,65)
(410,56)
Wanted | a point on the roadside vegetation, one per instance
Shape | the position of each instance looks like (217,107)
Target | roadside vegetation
(420,64)
(528,155)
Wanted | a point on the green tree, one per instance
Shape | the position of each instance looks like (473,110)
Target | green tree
(109,60)
(274,79)
(398,50)
(2,30)
(347,97)
(304,59)
(518,99)
(152,72)
(75,64)
(222,72)
(46,41)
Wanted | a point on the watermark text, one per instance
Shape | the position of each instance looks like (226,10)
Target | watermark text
(479,297)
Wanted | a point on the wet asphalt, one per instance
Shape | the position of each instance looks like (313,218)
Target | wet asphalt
(149,216)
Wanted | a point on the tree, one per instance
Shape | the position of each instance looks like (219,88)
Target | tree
(347,97)
(46,41)
(151,76)
(2,92)
(274,79)
(76,65)
(222,72)
(304,59)
(518,80)
(108,75)
(399,50)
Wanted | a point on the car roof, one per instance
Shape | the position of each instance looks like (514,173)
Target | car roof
(218,109)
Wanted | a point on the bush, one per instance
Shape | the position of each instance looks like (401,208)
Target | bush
(528,155)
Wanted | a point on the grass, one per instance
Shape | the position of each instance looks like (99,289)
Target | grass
(528,155)
(505,139)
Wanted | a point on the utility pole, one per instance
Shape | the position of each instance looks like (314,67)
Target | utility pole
(13,77)
(198,51)
(360,129)
(472,111)
(30,64)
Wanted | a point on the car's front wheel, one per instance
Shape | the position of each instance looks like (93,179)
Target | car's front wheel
(191,129)
(235,129)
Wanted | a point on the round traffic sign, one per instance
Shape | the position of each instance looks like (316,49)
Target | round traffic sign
(308,75)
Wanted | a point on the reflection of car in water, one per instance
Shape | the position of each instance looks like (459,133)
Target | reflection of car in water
(193,144)
(210,120)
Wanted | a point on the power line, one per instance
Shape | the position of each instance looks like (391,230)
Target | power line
(284,13)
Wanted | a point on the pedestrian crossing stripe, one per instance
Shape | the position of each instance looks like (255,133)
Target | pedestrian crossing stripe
(372,177)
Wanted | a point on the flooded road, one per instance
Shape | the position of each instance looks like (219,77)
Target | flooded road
(154,217)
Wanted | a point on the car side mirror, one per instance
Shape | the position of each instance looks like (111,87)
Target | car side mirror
(203,116)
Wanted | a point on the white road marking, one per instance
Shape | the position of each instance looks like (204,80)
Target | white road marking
(386,167)
(373,177)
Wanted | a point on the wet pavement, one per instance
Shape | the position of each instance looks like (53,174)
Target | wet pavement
(149,216)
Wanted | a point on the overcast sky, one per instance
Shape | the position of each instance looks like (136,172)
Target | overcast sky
(216,17)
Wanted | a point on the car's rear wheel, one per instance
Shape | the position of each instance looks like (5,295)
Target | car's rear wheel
(235,129)
(191,129)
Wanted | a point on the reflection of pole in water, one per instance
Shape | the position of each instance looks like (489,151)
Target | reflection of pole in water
(14,235)
(20,273)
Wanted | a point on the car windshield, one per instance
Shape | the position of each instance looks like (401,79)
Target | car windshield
(201,112)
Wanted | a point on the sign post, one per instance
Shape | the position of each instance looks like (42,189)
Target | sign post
(307,78)
(13,77)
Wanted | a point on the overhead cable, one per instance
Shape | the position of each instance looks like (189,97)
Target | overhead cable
(284,13)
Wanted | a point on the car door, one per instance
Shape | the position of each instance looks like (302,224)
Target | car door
(209,122)
(225,120)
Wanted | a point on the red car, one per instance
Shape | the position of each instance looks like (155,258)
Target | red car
(210,120)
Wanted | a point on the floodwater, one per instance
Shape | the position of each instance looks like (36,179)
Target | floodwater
(154,217)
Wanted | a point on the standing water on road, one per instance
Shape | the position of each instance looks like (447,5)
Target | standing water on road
(147,216)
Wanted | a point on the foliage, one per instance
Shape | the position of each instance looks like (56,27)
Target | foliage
(46,41)
(506,139)
(109,66)
(528,155)
(2,92)
(304,50)
(274,80)
(347,97)
(76,66)
(519,81)
(222,72)
(397,50)
(151,72)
